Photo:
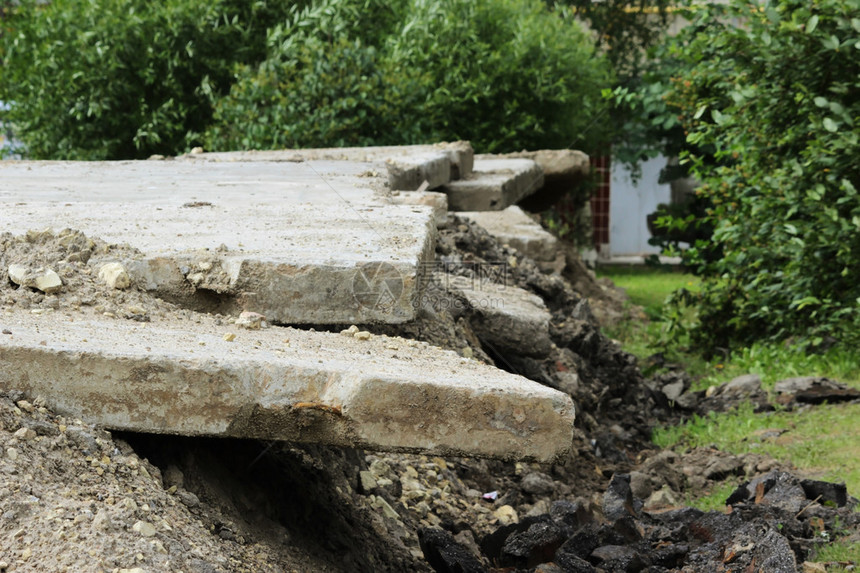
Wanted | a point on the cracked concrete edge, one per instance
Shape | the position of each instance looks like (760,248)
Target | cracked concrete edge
(382,394)
(293,294)
(408,166)
(515,228)
(505,316)
(437,201)
(554,162)
(495,184)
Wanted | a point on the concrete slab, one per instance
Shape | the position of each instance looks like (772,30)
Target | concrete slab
(515,228)
(506,317)
(372,392)
(314,242)
(494,184)
(408,166)
(563,170)
(438,201)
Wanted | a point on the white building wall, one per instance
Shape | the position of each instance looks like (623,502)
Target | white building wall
(630,203)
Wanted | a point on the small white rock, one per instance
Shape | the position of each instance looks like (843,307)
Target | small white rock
(115,276)
(350,331)
(251,320)
(145,528)
(40,278)
(25,406)
(506,514)
(362,335)
(386,508)
(102,521)
(196,278)
(24,434)
(12,454)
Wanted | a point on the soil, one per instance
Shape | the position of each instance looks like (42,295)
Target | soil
(74,497)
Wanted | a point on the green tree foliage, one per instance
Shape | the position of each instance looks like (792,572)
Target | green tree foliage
(625,30)
(505,74)
(113,79)
(774,94)
(99,79)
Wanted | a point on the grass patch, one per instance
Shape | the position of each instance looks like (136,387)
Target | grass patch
(774,362)
(838,551)
(822,441)
(648,287)
(714,500)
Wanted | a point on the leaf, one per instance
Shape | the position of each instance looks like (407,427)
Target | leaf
(811,24)
(831,43)
(820,101)
(830,125)
(804,302)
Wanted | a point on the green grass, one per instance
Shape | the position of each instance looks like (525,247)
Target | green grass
(715,499)
(648,287)
(838,551)
(774,362)
(822,441)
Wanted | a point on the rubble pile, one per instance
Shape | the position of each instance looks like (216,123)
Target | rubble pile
(290,489)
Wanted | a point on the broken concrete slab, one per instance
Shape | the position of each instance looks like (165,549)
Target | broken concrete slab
(408,166)
(563,170)
(494,184)
(515,228)
(185,377)
(316,242)
(438,201)
(506,317)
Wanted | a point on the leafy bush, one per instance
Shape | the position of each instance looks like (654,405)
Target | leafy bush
(99,79)
(775,94)
(505,74)
(321,84)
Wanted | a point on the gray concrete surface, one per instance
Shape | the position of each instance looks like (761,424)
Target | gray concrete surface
(494,184)
(183,377)
(438,201)
(563,169)
(301,242)
(506,317)
(407,166)
(513,227)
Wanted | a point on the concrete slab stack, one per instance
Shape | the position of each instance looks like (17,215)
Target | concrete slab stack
(515,228)
(494,184)
(298,237)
